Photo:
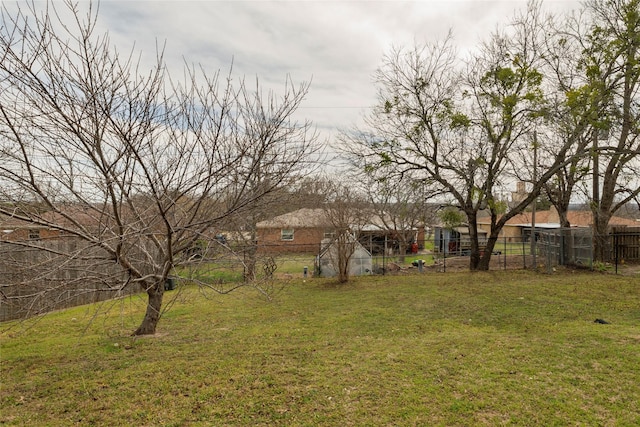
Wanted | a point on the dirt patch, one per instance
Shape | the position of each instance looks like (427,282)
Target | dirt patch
(498,262)
(519,262)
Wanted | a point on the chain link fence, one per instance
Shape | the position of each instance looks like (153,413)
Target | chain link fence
(574,246)
(37,280)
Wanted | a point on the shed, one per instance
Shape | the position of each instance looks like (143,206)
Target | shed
(455,241)
(360,262)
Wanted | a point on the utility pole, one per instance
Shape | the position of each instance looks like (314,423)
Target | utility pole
(533,210)
(595,203)
(596,171)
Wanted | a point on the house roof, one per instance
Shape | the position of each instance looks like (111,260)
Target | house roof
(302,218)
(387,222)
(549,219)
(317,218)
(81,215)
(10,223)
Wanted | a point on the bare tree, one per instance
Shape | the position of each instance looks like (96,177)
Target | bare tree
(346,214)
(155,165)
(610,64)
(399,206)
(280,154)
(469,129)
(592,57)
(568,121)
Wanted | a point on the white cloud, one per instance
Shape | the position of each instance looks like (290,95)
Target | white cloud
(337,44)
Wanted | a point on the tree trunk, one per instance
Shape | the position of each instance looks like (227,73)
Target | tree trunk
(485,259)
(403,247)
(155,293)
(600,237)
(474,257)
(250,264)
(344,255)
(568,251)
(251,255)
(343,277)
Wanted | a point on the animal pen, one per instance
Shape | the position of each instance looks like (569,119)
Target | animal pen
(574,246)
(552,248)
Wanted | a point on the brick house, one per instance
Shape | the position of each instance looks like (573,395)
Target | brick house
(301,231)
(16,230)
(304,230)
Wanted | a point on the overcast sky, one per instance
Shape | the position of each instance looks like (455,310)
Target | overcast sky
(335,44)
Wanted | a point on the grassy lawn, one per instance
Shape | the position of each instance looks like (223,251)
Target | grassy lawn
(495,348)
(294,264)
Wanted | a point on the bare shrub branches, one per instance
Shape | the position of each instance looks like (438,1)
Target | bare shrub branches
(134,163)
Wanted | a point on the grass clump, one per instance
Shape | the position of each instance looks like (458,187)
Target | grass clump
(492,348)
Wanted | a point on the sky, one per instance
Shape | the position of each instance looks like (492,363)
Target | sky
(334,45)
(337,45)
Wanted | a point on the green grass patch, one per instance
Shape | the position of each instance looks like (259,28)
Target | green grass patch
(294,264)
(494,348)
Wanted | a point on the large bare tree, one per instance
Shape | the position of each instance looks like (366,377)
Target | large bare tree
(467,127)
(156,165)
(592,59)
(611,65)
(280,157)
(399,206)
(569,113)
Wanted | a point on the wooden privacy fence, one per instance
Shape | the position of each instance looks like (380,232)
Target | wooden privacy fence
(625,242)
(54,274)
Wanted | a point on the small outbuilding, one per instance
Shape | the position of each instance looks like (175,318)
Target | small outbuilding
(456,241)
(360,262)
